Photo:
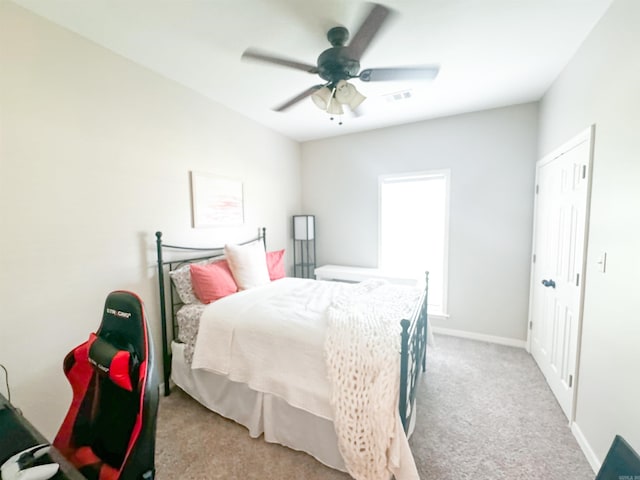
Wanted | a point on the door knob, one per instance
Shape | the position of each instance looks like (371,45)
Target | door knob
(549,283)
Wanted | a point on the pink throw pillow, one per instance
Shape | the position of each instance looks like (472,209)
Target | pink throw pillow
(212,281)
(275,264)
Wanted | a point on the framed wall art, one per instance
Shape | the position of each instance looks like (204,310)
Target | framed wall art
(216,201)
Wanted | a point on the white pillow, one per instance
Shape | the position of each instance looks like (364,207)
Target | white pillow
(248,264)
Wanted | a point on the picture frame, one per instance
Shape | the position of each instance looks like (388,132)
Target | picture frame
(216,201)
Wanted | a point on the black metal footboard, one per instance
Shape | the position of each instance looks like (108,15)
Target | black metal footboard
(413,356)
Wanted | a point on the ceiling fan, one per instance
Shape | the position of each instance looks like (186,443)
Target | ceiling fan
(341,62)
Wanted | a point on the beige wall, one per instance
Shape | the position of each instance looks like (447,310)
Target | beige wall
(95,153)
(95,157)
(491,155)
(601,86)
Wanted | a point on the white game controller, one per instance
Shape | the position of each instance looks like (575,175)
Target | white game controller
(20,466)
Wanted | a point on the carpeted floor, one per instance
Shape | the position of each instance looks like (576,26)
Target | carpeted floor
(484,413)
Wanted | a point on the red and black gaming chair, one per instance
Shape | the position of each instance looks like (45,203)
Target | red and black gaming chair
(110,428)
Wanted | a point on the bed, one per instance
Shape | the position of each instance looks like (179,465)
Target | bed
(269,357)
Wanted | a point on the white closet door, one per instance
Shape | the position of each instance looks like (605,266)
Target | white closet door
(557,281)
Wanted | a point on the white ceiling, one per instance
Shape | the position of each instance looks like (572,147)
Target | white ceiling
(492,53)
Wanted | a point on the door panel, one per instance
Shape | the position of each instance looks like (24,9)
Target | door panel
(558,269)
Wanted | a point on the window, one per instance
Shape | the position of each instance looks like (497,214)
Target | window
(414,225)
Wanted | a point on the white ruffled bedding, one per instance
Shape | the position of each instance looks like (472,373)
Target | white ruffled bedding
(272,338)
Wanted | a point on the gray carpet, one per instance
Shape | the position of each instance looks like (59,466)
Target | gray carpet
(485,413)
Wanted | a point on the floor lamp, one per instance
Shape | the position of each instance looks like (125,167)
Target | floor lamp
(304,246)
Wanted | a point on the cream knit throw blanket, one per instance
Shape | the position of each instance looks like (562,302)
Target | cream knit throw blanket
(362,353)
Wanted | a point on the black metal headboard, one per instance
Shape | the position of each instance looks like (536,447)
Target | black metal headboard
(187,255)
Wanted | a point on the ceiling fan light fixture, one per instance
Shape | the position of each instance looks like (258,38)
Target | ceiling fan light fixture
(322,98)
(325,99)
(347,94)
(356,101)
(334,107)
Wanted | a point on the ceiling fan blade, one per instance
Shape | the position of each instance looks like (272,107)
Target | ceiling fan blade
(301,96)
(369,28)
(252,54)
(427,72)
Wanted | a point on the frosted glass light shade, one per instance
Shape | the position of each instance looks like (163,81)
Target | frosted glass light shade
(303,227)
(347,94)
(334,107)
(322,98)
(357,99)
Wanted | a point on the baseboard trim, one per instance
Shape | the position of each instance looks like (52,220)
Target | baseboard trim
(586,448)
(510,342)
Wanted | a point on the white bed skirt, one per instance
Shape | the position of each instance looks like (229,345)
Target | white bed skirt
(260,413)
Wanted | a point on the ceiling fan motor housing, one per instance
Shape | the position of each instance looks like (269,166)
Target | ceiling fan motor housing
(335,64)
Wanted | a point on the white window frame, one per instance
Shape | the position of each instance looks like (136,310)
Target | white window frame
(409,176)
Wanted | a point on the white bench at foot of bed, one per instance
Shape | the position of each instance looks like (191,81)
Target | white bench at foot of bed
(343,273)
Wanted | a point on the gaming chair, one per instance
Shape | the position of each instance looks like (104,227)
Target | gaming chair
(110,428)
(621,462)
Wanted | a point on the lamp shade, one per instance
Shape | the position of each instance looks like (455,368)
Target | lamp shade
(334,107)
(303,227)
(322,97)
(347,94)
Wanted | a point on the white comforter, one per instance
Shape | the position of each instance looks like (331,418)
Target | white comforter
(272,338)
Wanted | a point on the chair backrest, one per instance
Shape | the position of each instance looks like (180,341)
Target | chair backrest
(109,430)
(621,462)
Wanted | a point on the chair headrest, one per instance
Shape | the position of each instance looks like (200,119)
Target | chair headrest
(123,322)
(117,364)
